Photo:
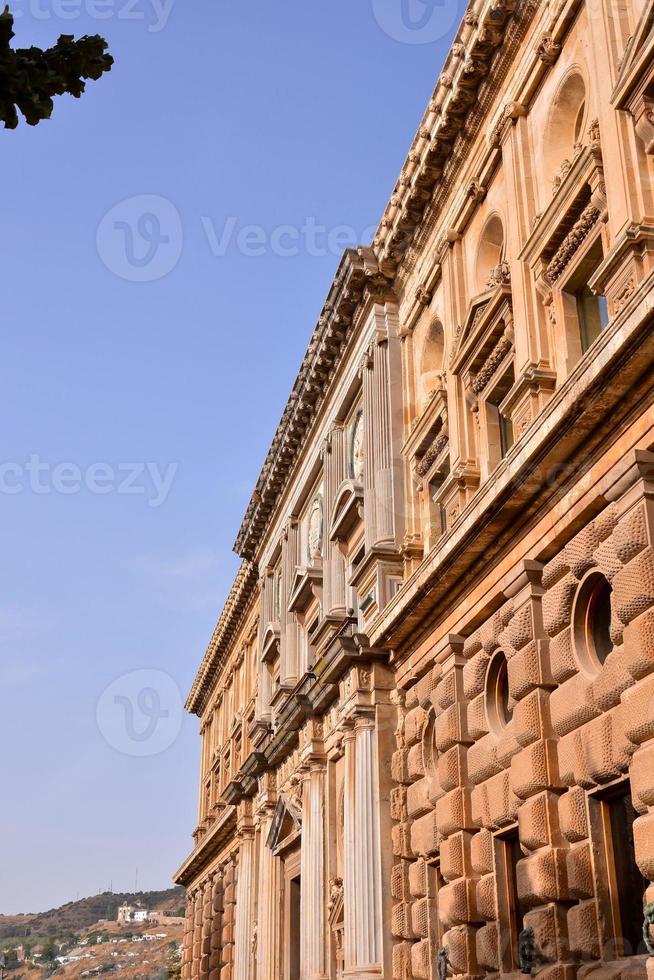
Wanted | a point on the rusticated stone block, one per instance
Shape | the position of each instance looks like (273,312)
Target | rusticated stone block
(228,933)
(421,880)
(638,651)
(572,764)
(529,669)
(456,902)
(474,675)
(420,960)
(461,945)
(606,558)
(414,725)
(472,645)
(642,777)
(637,711)
(417,798)
(398,803)
(486,898)
(644,844)
(580,871)
(402,838)
(415,764)
(411,700)
(445,694)
(452,768)
(521,628)
(579,551)
(538,820)
(230,892)
(423,916)
(402,961)
(424,690)
(481,759)
(557,605)
(535,769)
(493,803)
(570,705)
(607,521)
(633,587)
(542,877)
(425,838)
(507,747)
(400,881)
(401,926)
(451,728)
(455,856)
(555,570)
(573,818)
(550,927)
(562,659)
(477,720)
(487,946)
(492,628)
(630,536)
(607,751)
(399,766)
(482,852)
(583,930)
(613,679)
(531,718)
(453,812)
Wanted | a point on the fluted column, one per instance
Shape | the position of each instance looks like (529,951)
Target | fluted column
(334,467)
(382,406)
(289,626)
(349,861)
(216,927)
(367,849)
(187,942)
(244,907)
(268,917)
(314,913)
(197,934)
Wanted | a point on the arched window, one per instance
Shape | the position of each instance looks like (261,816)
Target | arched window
(498,710)
(432,357)
(592,622)
(566,123)
(490,253)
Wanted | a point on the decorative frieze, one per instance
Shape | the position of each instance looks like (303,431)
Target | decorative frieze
(580,231)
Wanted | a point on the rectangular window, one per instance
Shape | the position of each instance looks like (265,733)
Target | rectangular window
(593,313)
(507,855)
(621,884)
(499,417)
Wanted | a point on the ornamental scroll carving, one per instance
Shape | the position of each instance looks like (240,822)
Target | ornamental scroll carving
(581,230)
(500,276)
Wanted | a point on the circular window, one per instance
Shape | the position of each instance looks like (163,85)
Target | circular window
(592,621)
(498,712)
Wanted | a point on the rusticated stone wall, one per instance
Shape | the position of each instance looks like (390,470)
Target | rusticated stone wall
(576,728)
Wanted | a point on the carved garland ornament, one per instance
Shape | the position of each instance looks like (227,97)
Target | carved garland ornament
(432,455)
(490,366)
(572,242)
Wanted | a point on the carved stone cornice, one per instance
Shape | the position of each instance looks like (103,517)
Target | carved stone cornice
(231,618)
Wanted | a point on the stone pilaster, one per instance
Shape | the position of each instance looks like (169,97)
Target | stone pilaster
(187,942)
(268,915)
(334,599)
(244,906)
(197,934)
(382,406)
(314,914)
(290,640)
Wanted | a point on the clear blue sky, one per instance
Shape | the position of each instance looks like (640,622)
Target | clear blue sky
(238,114)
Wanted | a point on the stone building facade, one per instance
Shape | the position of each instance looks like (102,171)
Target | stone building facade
(427,710)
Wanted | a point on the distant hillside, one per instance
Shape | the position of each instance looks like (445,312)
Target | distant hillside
(75,916)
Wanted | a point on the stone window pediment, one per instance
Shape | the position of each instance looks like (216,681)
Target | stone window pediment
(306,586)
(286,824)
(635,84)
(347,512)
(270,642)
(485,311)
